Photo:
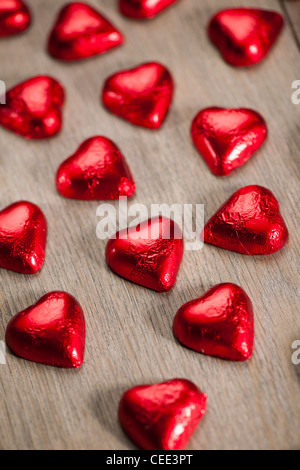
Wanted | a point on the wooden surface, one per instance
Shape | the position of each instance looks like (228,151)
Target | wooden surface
(253,405)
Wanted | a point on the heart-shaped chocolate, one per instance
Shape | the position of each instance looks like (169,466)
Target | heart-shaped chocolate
(51,332)
(162,416)
(80,31)
(142,95)
(220,323)
(244,36)
(23,233)
(15,17)
(97,171)
(249,223)
(144,9)
(148,254)
(226,138)
(33,108)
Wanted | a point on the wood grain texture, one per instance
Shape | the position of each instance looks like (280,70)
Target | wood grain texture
(252,405)
(291,9)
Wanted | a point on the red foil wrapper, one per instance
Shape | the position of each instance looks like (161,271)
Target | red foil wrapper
(23,233)
(249,223)
(220,323)
(148,254)
(144,9)
(33,108)
(97,170)
(15,17)
(227,138)
(80,31)
(51,332)
(142,95)
(162,416)
(244,36)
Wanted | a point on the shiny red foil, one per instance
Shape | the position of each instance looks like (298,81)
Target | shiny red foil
(97,170)
(148,254)
(80,31)
(51,332)
(162,416)
(144,9)
(244,36)
(227,138)
(142,95)
(33,108)
(23,233)
(249,223)
(220,323)
(15,17)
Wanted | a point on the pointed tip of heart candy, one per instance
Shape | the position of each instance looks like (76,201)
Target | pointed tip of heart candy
(81,32)
(249,222)
(23,235)
(244,36)
(162,416)
(34,263)
(72,359)
(219,323)
(15,18)
(50,332)
(126,187)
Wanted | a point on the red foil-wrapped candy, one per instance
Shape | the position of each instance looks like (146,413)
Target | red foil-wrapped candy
(227,138)
(142,95)
(80,31)
(97,170)
(51,332)
(244,36)
(220,323)
(148,254)
(162,416)
(23,234)
(33,108)
(144,9)
(249,223)
(15,17)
